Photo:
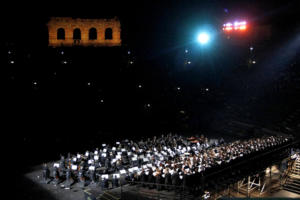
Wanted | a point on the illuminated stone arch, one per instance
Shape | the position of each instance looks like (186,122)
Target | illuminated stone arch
(108,34)
(90,32)
(93,34)
(77,34)
(61,34)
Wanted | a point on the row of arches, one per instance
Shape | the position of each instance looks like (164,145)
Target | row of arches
(77,34)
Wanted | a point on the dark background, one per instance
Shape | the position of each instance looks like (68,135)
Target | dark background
(146,24)
(62,113)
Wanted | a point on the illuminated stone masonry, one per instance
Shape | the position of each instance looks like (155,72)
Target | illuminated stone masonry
(67,31)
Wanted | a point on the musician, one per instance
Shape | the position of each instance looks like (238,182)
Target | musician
(56,176)
(157,175)
(81,177)
(168,180)
(151,179)
(115,181)
(143,177)
(107,163)
(175,178)
(46,173)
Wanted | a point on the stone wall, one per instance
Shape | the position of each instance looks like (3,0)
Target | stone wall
(69,24)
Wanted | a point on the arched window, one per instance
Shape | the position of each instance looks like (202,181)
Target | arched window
(93,34)
(108,34)
(77,34)
(60,34)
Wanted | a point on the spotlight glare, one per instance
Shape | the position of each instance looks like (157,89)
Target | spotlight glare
(243,27)
(203,38)
(236,26)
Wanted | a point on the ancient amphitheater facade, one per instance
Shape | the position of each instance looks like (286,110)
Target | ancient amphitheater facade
(66,31)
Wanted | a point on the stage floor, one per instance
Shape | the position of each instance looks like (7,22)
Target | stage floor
(31,188)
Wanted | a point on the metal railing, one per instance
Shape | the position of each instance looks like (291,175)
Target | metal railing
(110,196)
(160,191)
(253,158)
(182,192)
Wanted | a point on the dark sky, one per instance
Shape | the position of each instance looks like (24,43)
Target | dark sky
(144,23)
(149,26)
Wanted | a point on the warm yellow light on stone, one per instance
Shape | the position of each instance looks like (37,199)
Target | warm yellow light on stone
(84,25)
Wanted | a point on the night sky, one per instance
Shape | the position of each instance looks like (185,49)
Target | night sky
(146,24)
(154,31)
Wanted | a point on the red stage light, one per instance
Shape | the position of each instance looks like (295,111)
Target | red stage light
(237,26)
(243,27)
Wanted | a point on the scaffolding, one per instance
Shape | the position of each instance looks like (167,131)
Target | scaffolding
(251,183)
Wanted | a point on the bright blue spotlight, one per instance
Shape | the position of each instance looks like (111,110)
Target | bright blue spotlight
(203,38)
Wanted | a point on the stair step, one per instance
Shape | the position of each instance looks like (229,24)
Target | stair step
(291,190)
(294,176)
(295,185)
(293,182)
(292,186)
(295,188)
